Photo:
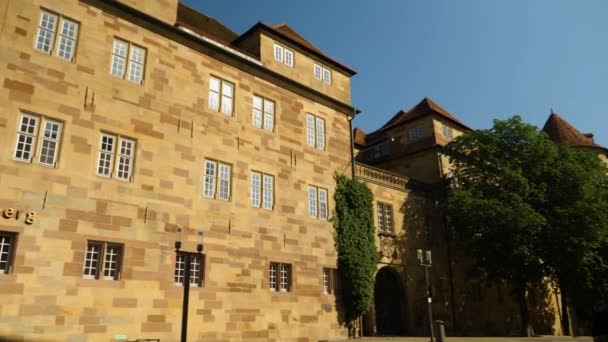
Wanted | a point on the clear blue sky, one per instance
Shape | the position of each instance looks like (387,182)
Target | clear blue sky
(479,59)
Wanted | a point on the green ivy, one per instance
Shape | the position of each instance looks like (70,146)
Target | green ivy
(354,238)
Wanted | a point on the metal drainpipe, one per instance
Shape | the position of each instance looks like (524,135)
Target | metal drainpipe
(352,143)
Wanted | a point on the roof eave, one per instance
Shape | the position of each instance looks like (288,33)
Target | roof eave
(261,26)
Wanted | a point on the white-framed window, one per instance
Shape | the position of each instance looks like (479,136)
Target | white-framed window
(279,277)
(416,133)
(263,113)
(262,190)
(318,202)
(116,157)
(128,61)
(283,55)
(447,132)
(288,57)
(41,133)
(318,72)
(329,280)
(217,180)
(102,260)
(385,217)
(326,281)
(322,73)
(221,95)
(56,31)
(315,131)
(197,270)
(7,246)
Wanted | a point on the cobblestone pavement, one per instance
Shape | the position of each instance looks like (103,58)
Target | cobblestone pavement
(477,339)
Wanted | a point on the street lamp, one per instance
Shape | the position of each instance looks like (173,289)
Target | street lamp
(426,262)
(188,256)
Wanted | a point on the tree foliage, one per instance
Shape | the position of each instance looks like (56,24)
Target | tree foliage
(354,239)
(526,208)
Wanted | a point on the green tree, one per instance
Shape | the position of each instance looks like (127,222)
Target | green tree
(354,239)
(525,208)
(491,204)
(573,242)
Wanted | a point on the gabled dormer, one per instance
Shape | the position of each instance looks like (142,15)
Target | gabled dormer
(283,50)
(408,143)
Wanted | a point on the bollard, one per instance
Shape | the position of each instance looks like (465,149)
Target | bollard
(440,329)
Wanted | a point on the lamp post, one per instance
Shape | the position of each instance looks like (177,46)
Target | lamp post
(188,256)
(426,262)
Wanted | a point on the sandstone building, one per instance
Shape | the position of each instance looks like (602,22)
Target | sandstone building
(126,121)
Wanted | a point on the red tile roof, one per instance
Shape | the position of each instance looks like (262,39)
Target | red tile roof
(204,25)
(560,131)
(359,136)
(422,109)
(287,33)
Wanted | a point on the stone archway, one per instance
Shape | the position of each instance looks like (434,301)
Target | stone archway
(389,303)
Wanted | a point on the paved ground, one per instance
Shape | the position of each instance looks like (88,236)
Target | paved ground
(478,339)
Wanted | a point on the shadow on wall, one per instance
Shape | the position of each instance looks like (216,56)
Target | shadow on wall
(480,308)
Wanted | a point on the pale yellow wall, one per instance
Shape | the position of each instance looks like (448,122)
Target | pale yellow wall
(303,70)
(165,10)
(46,297)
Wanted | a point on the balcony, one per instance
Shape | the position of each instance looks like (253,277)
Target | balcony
(382,177)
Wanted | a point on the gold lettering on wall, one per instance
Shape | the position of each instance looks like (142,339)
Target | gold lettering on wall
(11,213)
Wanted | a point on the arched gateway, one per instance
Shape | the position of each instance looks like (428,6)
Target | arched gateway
(389,302)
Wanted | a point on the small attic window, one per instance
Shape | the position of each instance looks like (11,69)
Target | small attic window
(283,55)
(447,132)
(322,73)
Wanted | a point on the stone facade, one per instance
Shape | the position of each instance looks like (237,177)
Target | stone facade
(45,295)
(392,160)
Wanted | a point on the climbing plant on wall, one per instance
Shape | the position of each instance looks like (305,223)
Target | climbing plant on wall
(354,239)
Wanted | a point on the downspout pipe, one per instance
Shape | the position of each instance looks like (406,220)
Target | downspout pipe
(352,142)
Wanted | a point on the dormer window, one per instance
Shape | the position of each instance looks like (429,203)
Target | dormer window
(283,55)
(322,74)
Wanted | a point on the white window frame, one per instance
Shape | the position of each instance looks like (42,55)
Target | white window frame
(322,73)
(98,268)
(214,182)
(117,156)
(37,139)
(318,72)
(447,132)
(262,190)
(280,277)
(49,138)
(225,102)
(197,270)
(59,38)
(7,251)
(385,217)
(288,58)
(326,281)
(130,61)
(283,55)
(278,53)
(318,202)
(262,115)
(315,131)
